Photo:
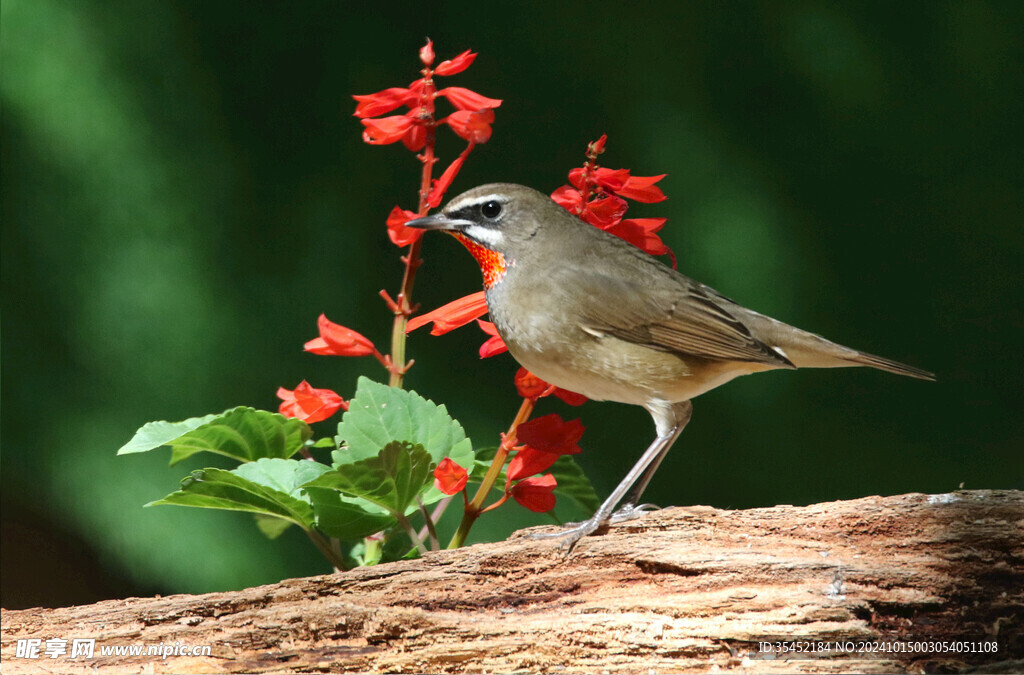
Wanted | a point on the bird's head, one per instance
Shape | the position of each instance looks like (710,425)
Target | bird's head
(496,222)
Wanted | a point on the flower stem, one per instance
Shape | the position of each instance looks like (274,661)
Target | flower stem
(475,507)
(412,262)
(325,548)
(411,531)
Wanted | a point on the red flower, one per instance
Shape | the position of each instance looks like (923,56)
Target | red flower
(383,101)
(456,65)
(619,182)
(551,434)
(309,404)
(597,195)
(336,340)
(605,211)
(472,119)
(530,386)
(450,477)
(387,130)
(427,53)
(640,233)
(495,345)
(449,317)
(642,189)
(466,99)
(569,198)
(399,234)
(442,184)
(473,126)
(527,462)
(570,397)
(536,493)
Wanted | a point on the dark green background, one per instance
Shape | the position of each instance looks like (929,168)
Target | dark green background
(185,190)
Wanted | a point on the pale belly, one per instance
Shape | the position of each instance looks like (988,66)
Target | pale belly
(609,369)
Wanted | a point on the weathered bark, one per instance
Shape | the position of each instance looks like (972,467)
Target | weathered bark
(683,589)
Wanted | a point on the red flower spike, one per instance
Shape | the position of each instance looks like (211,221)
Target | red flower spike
(456,65)
(450,477)
(386,130)
(449,317)
(427,53)
(527,462)
(474,127)
(464,99)
(551,434)
(399,234)
(309,404)
(536,493)
(371,105)
(336,340)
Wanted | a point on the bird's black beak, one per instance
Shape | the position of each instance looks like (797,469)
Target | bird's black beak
(439,221)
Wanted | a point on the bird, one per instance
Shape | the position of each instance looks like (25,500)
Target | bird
(591,313)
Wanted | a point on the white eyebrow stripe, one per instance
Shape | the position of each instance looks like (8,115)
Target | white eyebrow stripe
(483,234)
(476,201)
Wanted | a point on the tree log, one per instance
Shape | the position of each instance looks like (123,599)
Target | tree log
(911,583)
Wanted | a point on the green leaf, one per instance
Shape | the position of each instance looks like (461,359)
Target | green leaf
(160,433)
(271,487)
(391,479)
(573,484)
(379,414)
(345,518)
(242,433)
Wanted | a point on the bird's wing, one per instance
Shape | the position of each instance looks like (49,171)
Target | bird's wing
(674,314)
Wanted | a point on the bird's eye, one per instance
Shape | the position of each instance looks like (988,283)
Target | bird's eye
(491,209)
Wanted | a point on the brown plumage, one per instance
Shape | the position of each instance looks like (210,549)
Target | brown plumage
(591,313)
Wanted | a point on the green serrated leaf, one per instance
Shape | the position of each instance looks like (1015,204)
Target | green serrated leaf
(391,479)
(379,414)
(242,433)
(269,487)
(573,484)
(325,443)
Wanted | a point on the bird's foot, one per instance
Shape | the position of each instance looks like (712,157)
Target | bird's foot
(571,533)
(629,512)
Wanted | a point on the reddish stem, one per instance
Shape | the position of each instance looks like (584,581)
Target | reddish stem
(402,306)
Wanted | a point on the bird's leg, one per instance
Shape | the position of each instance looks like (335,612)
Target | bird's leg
(681,413)
(670,420)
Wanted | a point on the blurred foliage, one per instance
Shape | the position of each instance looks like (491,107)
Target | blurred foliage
(185,190)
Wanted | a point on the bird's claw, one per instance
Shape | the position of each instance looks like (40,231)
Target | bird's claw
(629,512)
(570,534)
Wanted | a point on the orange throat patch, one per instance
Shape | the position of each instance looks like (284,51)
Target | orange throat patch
(492,263)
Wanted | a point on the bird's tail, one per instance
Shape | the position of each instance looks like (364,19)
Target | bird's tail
(889,366)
